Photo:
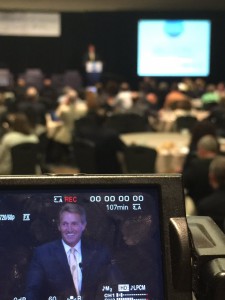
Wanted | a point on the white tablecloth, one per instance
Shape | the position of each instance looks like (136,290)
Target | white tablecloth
(167,118)
(171,147)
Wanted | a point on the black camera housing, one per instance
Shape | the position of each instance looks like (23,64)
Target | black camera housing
(191,251)
(208,258)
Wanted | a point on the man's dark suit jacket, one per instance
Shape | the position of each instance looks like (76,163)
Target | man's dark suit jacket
(214,207)
(49,273)
(196,178)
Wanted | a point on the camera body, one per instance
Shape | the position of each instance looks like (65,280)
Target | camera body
(208,258)
(157,252)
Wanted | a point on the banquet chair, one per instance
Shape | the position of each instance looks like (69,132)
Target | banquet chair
(43,147)
(96,157)
(139,159)
(57,81)
(25,159)
(72,78)
(127,122)
(85,155)
(217,118)
(185,122)
(85,126)
(34,77)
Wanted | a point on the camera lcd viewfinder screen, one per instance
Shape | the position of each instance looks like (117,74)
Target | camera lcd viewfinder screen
(115,233)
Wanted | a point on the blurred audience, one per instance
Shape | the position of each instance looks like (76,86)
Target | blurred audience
(58,113)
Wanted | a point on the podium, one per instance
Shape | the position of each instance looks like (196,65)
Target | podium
(94,66)
(93,71)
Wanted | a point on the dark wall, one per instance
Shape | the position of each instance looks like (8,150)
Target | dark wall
(114,35)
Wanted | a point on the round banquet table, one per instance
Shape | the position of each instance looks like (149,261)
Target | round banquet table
(172,148)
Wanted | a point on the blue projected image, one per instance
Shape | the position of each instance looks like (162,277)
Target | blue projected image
(173,47)
(174,28)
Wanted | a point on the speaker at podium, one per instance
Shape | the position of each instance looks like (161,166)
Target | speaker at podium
(93,66)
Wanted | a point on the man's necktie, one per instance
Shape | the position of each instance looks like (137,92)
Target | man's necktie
(74,269)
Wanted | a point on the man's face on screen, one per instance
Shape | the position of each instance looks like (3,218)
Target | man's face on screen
(71,228)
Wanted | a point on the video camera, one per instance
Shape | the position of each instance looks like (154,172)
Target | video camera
(156,253)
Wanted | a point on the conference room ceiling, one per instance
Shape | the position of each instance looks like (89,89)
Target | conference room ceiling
(112,5)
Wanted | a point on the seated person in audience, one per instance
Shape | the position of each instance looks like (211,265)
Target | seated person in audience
(80,106)
(124,97)
(211,97)
(200,129)
(214,204)
(60,126)
(173,97)
(220,88)
(49,92)
(148,103)
(94,115)
(107,99)
(147,85)
(146,106)
(199,86)
(217,117)
(20,89)
(162,91)
(195,177)
(19,131)
(33,106)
